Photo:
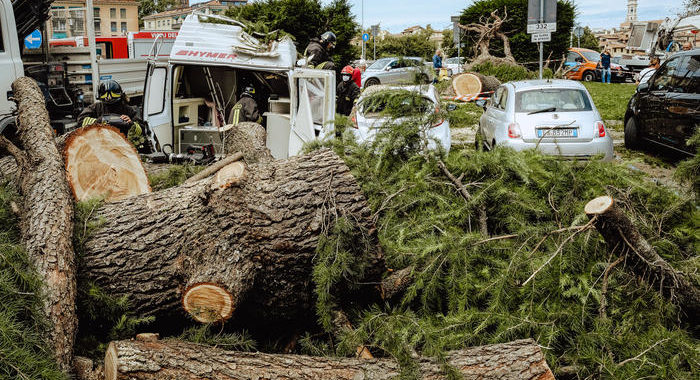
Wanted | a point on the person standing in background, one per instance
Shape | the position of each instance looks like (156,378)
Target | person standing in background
(437,64)
(357,73)
(605,66)
(647,73)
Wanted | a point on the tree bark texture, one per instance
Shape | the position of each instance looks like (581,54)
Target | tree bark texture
(47,217)
(166,360)
(250,139)
(247,248)
(621,235)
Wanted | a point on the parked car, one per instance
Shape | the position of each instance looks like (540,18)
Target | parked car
(557,117)
(397,70)
(584,65)
(666,109)
(454,65)
(421,101)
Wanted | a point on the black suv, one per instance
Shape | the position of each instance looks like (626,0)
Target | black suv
(666,109)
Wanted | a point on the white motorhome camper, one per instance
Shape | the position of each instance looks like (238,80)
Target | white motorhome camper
(187,98)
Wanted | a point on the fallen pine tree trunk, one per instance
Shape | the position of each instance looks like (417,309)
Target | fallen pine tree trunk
(136,360)
(46,216)
(621,236)
(243,241)
(472,84)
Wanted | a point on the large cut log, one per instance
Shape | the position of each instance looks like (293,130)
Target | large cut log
(46,216)
(621,235)
(164,360)
(472,84)
(101,162)
(241,241)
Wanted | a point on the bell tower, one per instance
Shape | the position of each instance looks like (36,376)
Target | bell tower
(631,11)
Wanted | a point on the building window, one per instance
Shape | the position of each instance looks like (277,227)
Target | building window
(124,29)
(98,28)
(159,23)
(113,12)
(76,22)
(113,26)
(96,12)
(122,13)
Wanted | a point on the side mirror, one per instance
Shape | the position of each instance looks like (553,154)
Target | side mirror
(451,107)
(643,87)
(387,68)
(481,103)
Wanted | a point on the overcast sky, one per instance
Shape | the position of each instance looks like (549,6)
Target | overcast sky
(395,15)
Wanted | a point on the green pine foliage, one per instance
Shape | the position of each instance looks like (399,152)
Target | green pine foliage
(174,176)
(24,354)
(468,290)
(507,73)
(689,171)
(205,334)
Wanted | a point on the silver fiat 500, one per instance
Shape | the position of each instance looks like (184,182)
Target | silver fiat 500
(557,117)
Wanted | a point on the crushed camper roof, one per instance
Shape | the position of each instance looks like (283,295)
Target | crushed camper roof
(204,43)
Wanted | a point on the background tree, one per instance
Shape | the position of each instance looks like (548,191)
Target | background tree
(589,40)
(515,28)
(149,7)
(411,45)
(448,43)
(691,7)
(306,19)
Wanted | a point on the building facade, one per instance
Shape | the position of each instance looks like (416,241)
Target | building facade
(172,19)
(112,18)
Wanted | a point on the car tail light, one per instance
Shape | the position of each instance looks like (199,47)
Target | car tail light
(514,131)
(600,128)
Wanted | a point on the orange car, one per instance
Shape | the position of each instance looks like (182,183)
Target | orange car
(583,64)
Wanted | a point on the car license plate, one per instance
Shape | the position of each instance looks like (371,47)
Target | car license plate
(557,132)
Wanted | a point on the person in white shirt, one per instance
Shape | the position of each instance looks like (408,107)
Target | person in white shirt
(647,73)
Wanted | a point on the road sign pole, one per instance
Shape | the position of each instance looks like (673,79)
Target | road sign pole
(541,43)
(90,15)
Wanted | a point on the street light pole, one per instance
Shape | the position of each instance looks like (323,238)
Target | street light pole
(541,43)
(363,29)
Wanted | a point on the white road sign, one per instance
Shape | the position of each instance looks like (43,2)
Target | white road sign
(542,37)
(541,28)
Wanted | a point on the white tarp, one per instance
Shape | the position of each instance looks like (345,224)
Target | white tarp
(203,43)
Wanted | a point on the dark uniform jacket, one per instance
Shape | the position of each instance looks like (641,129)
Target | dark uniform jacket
(245,110)
(134,132)
(346,93)
(95,111)
(318,55)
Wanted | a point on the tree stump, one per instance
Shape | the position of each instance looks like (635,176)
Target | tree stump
(621,235)
(101,162)
(472,84)
(163,360)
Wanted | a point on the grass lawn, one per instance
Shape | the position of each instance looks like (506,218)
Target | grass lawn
(611,99)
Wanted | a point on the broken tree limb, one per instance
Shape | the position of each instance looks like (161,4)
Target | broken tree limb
(483,225)
(618,231)
(211,170)
(46,217)
(128,359)
(472,84)
(101,163)
(396,283)
(246,249)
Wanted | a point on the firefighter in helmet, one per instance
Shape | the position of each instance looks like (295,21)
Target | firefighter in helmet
(112,101)
(347,92)
(318,52)
(246,109)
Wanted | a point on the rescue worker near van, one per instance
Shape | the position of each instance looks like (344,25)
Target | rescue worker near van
(346,93)
(246,109)
(317,52)
(111,101)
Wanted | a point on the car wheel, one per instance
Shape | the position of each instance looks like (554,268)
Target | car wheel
(371,82)
(632,140)
(588,76)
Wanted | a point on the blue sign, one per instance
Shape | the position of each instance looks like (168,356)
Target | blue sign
(365,37)
(33,41)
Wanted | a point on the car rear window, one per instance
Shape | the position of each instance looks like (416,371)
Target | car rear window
(396,103)
(562,99)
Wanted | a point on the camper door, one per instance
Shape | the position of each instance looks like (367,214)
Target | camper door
(157,105)
(313,107)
